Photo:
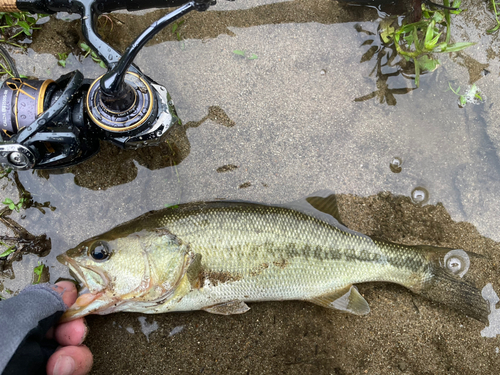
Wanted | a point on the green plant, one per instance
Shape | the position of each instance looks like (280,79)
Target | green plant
(8,291)
(14,206)
(38,271)
(7,252)
(471,95)
(417,41)
(175,29)
(496,12)
(5,172)
(93,55)
(171,205)
(5,69)
(62,57)
(252,56)
(13,24)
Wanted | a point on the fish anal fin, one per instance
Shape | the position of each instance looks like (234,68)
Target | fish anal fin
(346,299)
(228,308)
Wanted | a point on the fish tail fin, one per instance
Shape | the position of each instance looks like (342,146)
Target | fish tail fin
(460,295)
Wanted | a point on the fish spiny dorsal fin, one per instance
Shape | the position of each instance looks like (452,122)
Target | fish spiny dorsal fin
(346,299)
(328,205)
(322,205)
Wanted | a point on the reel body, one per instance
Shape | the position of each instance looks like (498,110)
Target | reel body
(55,124)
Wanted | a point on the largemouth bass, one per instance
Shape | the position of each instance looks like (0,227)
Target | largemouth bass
(217,256)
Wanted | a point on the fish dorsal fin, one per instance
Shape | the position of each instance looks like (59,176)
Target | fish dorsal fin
(228,308)
(327,205)
(322,205)
(346,299)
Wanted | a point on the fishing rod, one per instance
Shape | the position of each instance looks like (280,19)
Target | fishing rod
(48,124)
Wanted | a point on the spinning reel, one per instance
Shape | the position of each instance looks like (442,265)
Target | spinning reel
(56,124)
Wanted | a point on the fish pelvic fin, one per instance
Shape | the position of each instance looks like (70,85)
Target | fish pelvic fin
(456,293)
(346,299)
(228,308)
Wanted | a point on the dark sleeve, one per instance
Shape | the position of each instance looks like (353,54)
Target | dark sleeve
(24,321)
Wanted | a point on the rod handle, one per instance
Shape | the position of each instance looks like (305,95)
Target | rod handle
(8,6)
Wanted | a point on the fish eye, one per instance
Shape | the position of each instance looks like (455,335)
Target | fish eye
(99,251)
(457,262)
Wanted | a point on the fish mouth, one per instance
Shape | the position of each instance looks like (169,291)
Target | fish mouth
(87,302)
(74,269)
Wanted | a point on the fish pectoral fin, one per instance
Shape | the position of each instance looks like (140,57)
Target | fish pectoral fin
(194,270)
(346,299)
(228,308)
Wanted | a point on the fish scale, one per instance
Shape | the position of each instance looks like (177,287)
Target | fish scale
(319,258)
(216,256)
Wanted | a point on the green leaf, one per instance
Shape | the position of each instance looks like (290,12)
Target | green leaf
(457,47)
(239,52)
(427,63)
(25,26)
(102,65)
(7,201)
(417,73)
(430,45)
(7,252)
(38,271)
(8,20)
(456,92)
(438,17)
(253,56)
(85,47)
(429,34)
(418,46)
(387,31)
(490,31)
(174,27)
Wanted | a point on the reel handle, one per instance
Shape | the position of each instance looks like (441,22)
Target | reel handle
(124,106)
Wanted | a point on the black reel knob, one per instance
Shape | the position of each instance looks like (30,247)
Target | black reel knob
(123,116)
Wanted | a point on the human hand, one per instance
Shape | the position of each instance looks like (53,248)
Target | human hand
(71,358)
(32,341)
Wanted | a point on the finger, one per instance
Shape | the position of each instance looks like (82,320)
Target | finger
(67,290)
(71,333)
(50,333)
(70,360)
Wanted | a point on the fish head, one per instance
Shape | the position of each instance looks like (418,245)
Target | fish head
(117,272)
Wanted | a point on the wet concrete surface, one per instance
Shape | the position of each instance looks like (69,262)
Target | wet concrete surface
(287,124)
